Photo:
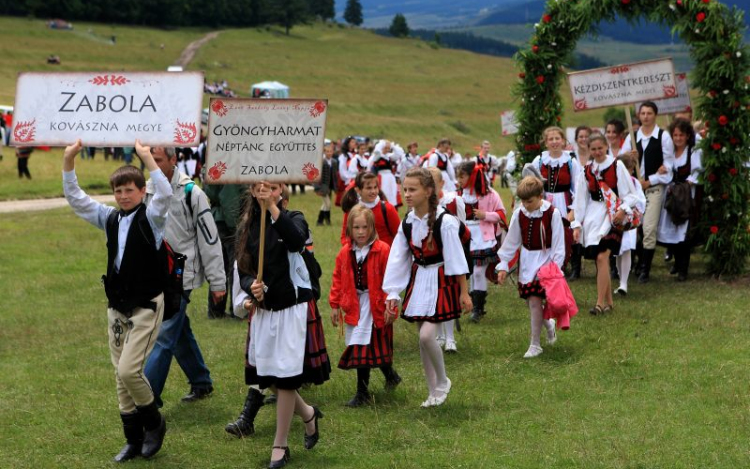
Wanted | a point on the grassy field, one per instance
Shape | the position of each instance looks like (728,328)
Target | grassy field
(660,383)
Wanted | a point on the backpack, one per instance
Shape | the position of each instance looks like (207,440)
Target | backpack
(174,268)
(463,233)
(314,270)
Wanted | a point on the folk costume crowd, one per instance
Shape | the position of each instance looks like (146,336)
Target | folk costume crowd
(601,198)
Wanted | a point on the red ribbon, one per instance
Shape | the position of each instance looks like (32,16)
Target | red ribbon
(477,181)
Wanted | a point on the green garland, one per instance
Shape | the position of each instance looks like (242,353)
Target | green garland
(722,74)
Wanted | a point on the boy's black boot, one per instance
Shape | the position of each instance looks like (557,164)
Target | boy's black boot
(647,258)
(132,427)
(321,217)
(244,426)
(155,429)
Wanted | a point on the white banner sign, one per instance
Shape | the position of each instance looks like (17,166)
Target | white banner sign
(680,103)
(108,109)
(251,140)
(508,122)
(623,84)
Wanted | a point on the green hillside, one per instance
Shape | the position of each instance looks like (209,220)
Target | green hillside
(401,89)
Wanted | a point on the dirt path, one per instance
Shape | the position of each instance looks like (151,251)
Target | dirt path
(189,52)
(34,205)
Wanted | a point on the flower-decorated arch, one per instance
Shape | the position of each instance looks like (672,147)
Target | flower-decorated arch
(722,75)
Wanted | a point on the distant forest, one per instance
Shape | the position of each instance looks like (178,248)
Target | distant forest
(163,13)
(484,45)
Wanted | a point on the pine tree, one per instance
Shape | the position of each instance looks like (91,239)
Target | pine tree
(399,27)
(353,12)
(292,12)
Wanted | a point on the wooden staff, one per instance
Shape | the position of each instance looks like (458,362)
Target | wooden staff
(262,250)
(632,141)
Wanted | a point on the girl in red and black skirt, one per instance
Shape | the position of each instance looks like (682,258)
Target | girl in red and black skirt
(357,294)
(366,191)
(429,247)
(286,345)
(595,215)
(537,229)
(485,217)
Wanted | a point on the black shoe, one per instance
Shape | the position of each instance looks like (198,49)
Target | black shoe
(133,429)
(197,394)
(681,277)
(673,270)
(359,400)
(280,462)
(392,384)
(216,314)
(328,218)
(574,275)
(243,426)
(644,278)
(271,399)
(154,439)
(312,440)
(321,216)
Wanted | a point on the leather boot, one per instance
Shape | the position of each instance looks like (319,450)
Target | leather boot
(321,216)
(575,262)
(132,427)
(328,218)
(155,429)
(646,258)
(478,298)
(243,426)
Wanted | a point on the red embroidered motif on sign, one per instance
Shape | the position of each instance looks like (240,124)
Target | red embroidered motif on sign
(109,80)
(317,108)
(217,170)
(184,133)
(309,170)
(24,131)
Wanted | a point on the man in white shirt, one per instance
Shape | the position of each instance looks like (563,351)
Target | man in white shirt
(655,152)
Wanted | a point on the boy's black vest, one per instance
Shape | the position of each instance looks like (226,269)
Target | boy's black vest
(653,157)
(142,271)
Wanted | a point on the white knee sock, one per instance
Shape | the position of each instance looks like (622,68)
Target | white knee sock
(432,357)
(536,314)
(623,268)
(448,328)
(478,280)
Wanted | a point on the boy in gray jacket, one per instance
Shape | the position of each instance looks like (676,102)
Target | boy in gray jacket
(191,231)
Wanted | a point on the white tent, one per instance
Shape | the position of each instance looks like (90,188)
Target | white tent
(274,89)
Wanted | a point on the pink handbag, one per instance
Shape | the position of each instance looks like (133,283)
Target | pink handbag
(560,304)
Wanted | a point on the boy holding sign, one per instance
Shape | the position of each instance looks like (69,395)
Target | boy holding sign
(134,287)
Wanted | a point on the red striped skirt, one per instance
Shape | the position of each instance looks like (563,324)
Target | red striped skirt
(316,368)
(377,353)
(448,298)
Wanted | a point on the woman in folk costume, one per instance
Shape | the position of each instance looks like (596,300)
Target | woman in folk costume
(409,160)
(485,216)
(454,205)
(605,200)
(440,158)
(366,191)
(384,157)
(348,152)
(359,163)
(357,298)
(286,345)
(686,172)
(559,170)
(582,154)
(427,260)
(537,230)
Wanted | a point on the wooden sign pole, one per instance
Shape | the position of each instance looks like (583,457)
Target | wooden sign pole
(262,250)
(632,141)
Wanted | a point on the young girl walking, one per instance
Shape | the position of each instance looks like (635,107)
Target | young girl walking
(686,171)
(537,229)
(429,246)
(485,216)
(559,170)
(454,205)
(366,192)
(358,296)
(605,198)
(286,345)
(385,157)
